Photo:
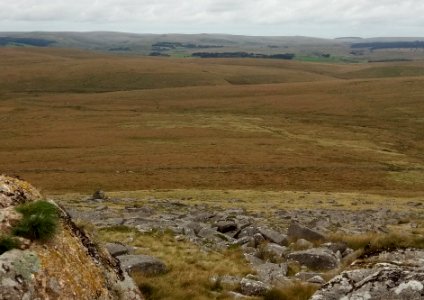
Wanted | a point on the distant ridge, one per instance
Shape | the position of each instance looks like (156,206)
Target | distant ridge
(185,45)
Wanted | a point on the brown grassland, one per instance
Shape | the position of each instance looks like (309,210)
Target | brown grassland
(272,134)
(77,121)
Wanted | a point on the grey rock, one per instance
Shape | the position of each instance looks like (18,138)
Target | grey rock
(276,250)
(207,233)
(251,287)
(303,244)
(17,274)
(396,275)
(142,264)
(226,282)
(316,280)
(305,276)
(248,231)
(253,260)
(99,195)
(335,247)
(226,226)
(247,249)
(194,226)
(315,258)
(243,241)
(271,273)
(274,236)
(235,295)
(258,239)
(297,231)
(116,249)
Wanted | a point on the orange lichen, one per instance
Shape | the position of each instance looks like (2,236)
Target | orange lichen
(66,263)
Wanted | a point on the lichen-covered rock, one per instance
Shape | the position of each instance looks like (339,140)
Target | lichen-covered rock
(69,266)
(9,217)
(17,274)
(14,191)
(396,280)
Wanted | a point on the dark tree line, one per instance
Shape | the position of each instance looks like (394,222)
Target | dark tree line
(4,41)
(389,45)
(242,55)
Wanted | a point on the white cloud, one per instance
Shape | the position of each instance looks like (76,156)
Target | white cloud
(361,16)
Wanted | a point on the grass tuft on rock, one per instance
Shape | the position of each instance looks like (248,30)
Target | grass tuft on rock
(39,222)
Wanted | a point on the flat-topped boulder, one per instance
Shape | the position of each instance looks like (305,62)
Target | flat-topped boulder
(143,264)
(316,258)
(297,231)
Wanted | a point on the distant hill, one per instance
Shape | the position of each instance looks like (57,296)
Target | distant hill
(348,49)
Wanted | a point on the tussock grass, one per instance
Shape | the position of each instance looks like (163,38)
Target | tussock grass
(190,266)
(39,222)
(8,243)
(374,242)
(297,291)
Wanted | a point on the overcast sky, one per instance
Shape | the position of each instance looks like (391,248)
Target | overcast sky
(330,18)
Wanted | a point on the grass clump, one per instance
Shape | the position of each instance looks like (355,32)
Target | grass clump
(39,222)
(8,243)
(297,291)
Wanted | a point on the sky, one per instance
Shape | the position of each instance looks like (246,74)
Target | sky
(330,18)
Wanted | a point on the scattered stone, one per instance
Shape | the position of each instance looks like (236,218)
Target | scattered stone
(226,226)
(336,247)
(253,260)
(143,264)
(303,244)
(251,287)
(226,282)
(316,258)
(99,195)
(116,249)
(248,231)
(296,231)
(305,276)
(272,273)
(244,240)
(276,250)
(258,239)
(317,280)
(236,295)
(274,236)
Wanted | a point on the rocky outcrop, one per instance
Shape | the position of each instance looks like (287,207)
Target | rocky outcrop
(270,242)
(397,276)
(69,266)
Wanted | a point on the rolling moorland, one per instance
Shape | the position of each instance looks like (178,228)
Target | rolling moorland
(78,121)
(188,147)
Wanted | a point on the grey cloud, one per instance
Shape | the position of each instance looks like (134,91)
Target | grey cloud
(206,14)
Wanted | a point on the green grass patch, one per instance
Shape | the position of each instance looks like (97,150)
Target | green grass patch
(8,243)
(40,221)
